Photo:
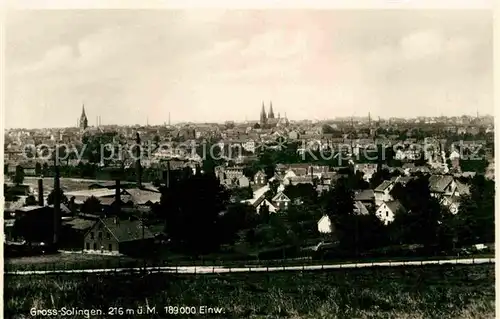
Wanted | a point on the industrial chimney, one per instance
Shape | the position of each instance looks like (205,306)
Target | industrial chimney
(40,192)
(168,175)
(138,169)
(57,202)
(117,198)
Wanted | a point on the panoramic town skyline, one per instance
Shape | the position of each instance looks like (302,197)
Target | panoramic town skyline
(210,65)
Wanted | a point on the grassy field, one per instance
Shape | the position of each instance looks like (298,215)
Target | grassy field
(411,292)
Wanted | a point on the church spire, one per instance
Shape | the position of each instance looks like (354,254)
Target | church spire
(263,117)
(83,118)
(271,113)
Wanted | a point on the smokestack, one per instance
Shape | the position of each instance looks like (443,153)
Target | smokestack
(168,175)
(40,192)
(138,169)
(72,206)
(117,197)
(57,202)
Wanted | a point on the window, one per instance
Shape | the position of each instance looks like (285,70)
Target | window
(108,235)
(100,235)
(386,214)
(95,246)
(110,247)
(92,235)
(87,246)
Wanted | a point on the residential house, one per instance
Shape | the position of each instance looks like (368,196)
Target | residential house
(442,185)
(448,191)
(368,170)
(408,167)
(281,201)
(295,180)
(114,236)
(260,178)
(366,197)
(383,192)
(455,159)
(243,181)
(360,208)
(325,225)
(259,202)
(387,211)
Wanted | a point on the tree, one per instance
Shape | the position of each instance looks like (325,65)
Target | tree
(30,201)
(273,186)
(378,177)
(476,217)
(340,209)
(264,213)
(193,206)
(18,177)
(420,223)
(62,197)
(91,205)
(238,217)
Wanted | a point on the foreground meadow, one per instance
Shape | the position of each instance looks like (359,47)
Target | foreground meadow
(416,292)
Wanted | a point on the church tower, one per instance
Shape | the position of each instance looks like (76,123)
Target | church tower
(263,117)
(271,113)
(83,119)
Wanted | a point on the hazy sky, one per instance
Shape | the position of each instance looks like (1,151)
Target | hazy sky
(213,65)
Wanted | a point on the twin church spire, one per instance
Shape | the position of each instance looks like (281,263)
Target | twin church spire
(263,116)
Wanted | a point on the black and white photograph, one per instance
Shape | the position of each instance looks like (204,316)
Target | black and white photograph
(260,162)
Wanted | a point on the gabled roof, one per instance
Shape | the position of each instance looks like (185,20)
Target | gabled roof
(438,183)
(64,208)
(360,208)
(280,197)
(79,223)
(141,197)
(408,165)
(260,173)
(364,195)
(383,186)
(126,230)
(395,206)
(99,192)
(462,189)
(401,179)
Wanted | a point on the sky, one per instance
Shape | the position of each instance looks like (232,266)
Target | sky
(212,65)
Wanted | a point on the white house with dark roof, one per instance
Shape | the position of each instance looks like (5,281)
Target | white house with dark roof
(387,211)
(325,225)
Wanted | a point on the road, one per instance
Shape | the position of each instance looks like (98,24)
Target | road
(219,269)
